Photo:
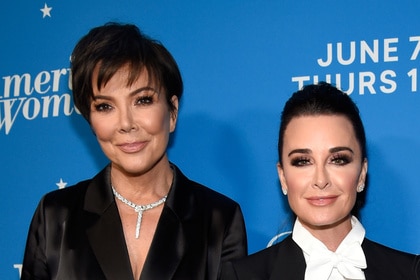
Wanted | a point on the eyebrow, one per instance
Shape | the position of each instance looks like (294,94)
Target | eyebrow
(339,149)
(133,93)
(299,151)
(332,150)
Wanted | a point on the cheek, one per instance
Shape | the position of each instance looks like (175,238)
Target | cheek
(296,186)
(297,179)
(347,181)
(156,123)
(295,200)
(101,128)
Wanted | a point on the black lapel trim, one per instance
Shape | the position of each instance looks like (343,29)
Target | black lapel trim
(290,263)
(105,232)
(169,245)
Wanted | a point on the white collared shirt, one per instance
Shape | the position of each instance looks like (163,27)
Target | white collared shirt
(308,243)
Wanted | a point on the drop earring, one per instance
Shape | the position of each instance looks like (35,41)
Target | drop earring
(284,191)
(361,188)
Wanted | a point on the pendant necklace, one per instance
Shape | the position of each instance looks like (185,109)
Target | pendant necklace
(138,208)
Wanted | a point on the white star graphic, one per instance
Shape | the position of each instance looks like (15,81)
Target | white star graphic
(61,184)
(46,11)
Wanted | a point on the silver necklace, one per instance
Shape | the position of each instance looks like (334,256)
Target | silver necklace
(138,208)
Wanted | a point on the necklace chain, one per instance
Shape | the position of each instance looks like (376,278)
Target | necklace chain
(138,208)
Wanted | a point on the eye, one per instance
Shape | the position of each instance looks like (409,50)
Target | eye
(102,107)
(340,159)
(300,161)
(145,100)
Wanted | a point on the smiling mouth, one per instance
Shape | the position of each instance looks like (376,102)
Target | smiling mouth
(132,147)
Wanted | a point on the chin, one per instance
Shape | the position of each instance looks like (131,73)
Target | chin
(131,169)
(332,222)
(324,221)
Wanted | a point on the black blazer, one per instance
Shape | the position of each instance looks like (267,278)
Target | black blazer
(285,261)
(76,233)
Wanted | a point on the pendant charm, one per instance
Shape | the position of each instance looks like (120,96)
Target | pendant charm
(139,217)
(138,208)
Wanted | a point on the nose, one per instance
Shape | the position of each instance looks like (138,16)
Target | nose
(321,178)
(126,121)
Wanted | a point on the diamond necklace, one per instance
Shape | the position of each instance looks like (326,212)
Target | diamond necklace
(138,208)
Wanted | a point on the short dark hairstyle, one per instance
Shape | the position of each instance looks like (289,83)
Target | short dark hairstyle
(324,99)
(113,46)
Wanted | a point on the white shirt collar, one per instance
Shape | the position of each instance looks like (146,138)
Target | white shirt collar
(308,243)
(305,239)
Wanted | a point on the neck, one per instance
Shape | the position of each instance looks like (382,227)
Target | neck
(331,235)
(145,187)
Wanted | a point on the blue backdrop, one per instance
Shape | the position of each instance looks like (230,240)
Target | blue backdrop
(240,61)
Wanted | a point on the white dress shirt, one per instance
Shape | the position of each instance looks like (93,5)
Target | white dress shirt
(345,263)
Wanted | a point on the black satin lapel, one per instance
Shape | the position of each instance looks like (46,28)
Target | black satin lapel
(371,276)
(104,229)
(290,263)
(107,240)
(167,248)
(372,272)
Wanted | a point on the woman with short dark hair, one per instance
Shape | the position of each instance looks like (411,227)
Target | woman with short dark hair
(140,217)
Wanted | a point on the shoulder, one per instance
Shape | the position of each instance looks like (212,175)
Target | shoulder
(282,256)
(56,208)
(67,196)
(265,256)
(201,193)
(375,249)
(287,249)
(94,189)
(388,261)
(258,265)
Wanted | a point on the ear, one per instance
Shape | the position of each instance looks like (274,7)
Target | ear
(363,173)
(174,113)
(280,172)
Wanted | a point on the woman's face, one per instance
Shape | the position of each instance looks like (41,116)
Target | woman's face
(322,168)
(132,123)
